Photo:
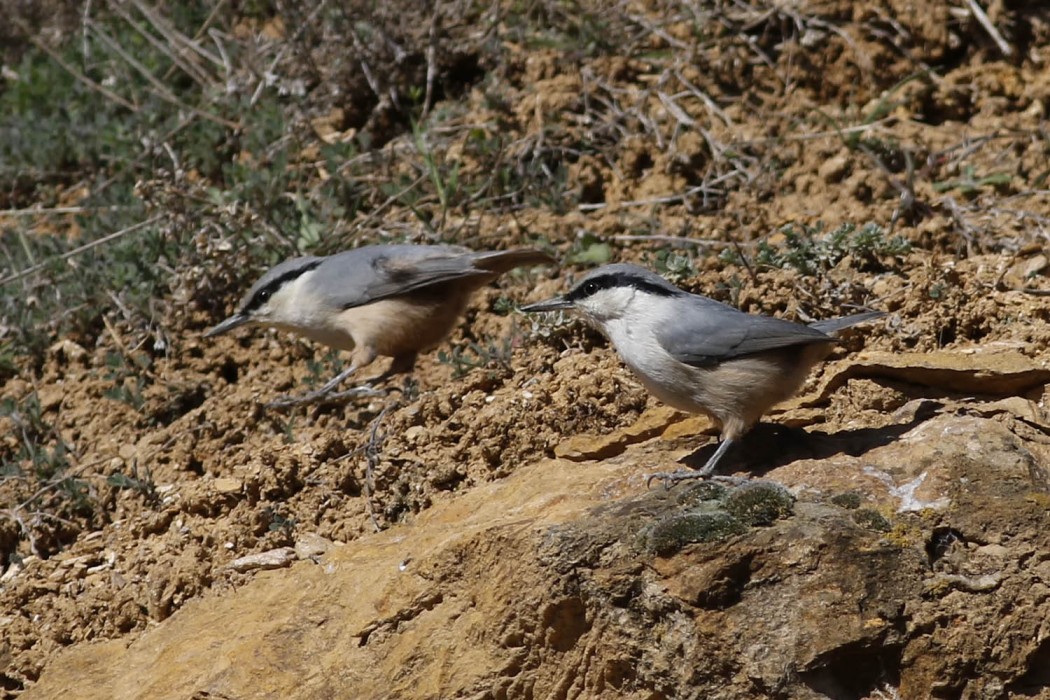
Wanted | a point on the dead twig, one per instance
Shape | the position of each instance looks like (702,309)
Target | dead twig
(738,247)
(677,112)
(657,30)
(174,36)
(33,211)
(432,69)
(961,224)
(986,23)
(161,90)
(372,451)
(105,92)
(190,68)
(266,77)
(706,188)
(699,94)
(80,249)
(635,238)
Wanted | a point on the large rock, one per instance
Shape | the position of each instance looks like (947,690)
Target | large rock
(912,561)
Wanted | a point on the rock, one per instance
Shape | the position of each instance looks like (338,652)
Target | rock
(583,447)
(273,559)
(312,545)
(50,397)
(552,573)
(225,484)
(835,168)
(987,370)
(65,351)
(15,389)
(413,433)
(1022,274)
(13,570)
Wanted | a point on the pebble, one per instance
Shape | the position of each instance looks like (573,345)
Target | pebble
(273,559)
(225,484)
(312,545)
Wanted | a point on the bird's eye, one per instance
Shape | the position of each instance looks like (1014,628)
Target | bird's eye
(263,295)
(590,287)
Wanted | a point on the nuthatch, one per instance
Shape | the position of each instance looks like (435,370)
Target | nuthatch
(696,354)
(390,300)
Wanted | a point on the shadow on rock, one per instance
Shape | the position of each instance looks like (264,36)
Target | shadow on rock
(769,446)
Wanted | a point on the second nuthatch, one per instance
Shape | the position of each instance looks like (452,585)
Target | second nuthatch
(696,354)
(389,300)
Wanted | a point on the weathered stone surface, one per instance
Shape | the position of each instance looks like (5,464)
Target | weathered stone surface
(273,559)
(542,585)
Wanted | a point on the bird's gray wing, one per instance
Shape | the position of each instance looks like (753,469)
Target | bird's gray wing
(833,325)
(705,333)
(506,260)
(361,276)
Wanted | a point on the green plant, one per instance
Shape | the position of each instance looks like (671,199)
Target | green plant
(812,251)
(588,249)
(444,176)
(278,522)
(491,355)
(41,453)
(45,488)
(969,182)
(322,369)
(139,482)
(855,139)
(503,305)
(732,288)
(128,374)
(673,264)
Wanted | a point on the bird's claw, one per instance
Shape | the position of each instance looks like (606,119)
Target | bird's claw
(669,479)
(323,397)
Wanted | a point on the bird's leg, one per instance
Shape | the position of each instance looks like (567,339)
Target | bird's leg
(336,380)
(326,394)
(671,478)
(402,364)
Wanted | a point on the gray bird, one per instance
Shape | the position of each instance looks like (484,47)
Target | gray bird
(389,300)
(696,354)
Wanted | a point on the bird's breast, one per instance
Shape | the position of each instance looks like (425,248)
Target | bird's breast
(666,378)
(402,325)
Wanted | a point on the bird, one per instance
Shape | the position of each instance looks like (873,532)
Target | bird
(392,300)
(696,354)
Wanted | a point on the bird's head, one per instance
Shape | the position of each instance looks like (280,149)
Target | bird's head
(611,292)
(273,300)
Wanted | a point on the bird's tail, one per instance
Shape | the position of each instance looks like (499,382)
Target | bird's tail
(500,261)
(837,324)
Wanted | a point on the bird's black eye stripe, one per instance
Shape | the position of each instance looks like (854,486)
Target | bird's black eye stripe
(618,279)
(262,295)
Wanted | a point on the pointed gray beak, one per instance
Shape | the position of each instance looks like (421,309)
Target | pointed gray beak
(555,304)
(228,325)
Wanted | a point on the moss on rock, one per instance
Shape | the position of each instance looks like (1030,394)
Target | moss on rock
(670,534)
(760,503)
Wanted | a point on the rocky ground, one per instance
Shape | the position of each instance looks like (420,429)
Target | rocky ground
(486,531)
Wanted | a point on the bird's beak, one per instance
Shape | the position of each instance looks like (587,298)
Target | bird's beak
(228,325)
(555,304)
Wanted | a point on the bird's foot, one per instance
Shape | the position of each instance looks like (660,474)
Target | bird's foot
(669,479)
(325,397)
